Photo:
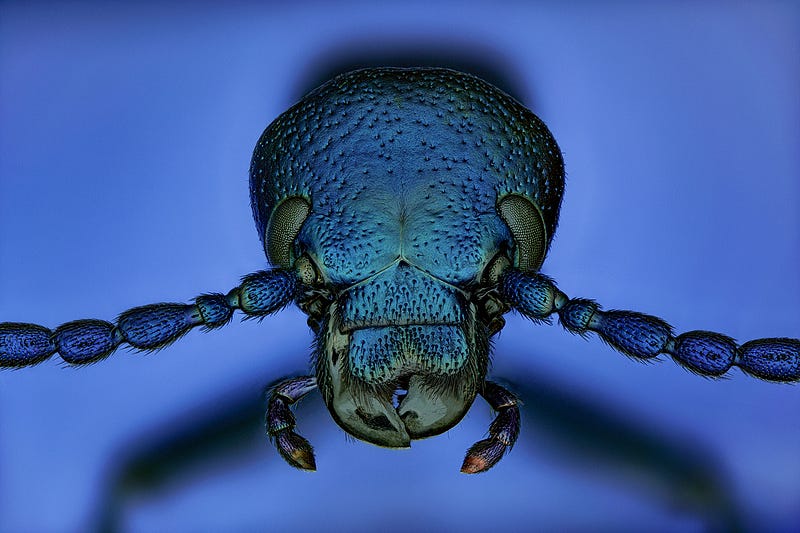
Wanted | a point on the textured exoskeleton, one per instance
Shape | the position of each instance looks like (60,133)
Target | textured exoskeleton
(405,211)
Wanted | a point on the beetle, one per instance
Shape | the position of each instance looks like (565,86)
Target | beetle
(405,211)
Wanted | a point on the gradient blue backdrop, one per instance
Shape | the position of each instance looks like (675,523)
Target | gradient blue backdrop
(125,138)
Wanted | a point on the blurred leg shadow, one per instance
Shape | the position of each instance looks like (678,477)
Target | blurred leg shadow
(662,464)
(659,465)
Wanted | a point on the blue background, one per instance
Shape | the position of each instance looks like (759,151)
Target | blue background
(125,138)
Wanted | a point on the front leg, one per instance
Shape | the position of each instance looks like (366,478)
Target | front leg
(503,432)
(294,449)
(644,336)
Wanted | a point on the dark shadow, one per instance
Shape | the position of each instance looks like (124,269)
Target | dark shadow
(466,56)
(582,431)
(227,431)
(602,441)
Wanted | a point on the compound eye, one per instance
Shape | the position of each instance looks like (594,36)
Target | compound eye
(525,221)
(283,228)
